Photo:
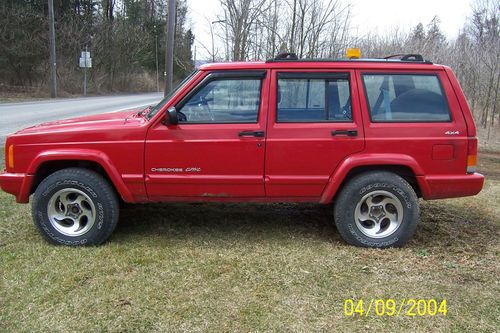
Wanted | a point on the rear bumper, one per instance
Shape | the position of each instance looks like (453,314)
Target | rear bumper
(455,186)
(18,184)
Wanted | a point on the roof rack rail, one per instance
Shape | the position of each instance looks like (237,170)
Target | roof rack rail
(406,57)
(403,58)
(285,56)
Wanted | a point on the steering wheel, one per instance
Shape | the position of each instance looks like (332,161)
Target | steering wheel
(198,110)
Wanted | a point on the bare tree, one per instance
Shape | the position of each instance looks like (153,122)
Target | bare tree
(242,18)
(259,28)
(482,32)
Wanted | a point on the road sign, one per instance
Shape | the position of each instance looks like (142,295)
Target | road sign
(86,63)
(85,60)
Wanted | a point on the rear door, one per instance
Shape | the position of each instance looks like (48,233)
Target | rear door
(217,149)
(314,123)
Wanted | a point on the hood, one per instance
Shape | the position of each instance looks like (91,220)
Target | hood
(91,122)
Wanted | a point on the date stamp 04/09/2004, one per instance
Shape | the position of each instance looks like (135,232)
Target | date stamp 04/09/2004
(393,308)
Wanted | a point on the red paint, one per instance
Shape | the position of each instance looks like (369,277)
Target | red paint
(443,152)
(293,162)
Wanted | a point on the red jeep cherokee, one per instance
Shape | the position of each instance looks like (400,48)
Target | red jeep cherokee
(370,136)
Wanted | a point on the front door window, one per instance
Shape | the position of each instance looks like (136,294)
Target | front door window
(223,101)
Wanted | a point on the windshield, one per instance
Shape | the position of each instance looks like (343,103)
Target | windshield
(165,100)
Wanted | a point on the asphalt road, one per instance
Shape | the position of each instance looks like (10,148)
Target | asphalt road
(15,116)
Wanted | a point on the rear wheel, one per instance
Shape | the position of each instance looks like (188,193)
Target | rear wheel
(378,209)
(75,207)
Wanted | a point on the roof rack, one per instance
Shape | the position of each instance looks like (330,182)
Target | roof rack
(403,58)
(406,57)
(285,56)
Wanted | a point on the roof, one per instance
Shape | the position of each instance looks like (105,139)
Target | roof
(290,60)
(323,64)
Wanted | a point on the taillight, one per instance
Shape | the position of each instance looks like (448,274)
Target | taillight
(471,155)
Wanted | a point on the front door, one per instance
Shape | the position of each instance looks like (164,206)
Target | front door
(314,123)
(217,149)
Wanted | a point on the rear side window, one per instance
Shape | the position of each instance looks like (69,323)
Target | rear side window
(313,97)
(405,98)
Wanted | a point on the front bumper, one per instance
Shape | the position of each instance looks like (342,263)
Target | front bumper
(18,184)
(453,186)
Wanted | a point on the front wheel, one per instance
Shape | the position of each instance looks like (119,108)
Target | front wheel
(377,209)
(75,207)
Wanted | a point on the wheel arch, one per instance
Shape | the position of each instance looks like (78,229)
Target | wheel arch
(49,162)
(403,165)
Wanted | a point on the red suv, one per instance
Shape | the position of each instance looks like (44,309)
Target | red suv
(370,136)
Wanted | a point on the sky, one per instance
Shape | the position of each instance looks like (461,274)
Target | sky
(378,16)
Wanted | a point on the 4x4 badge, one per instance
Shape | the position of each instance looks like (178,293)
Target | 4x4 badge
(452,132)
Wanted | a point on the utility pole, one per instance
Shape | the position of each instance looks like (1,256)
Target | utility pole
(213,47)
(169,52)
(52,48)
(194,58)
(227,35)
(212,33)
(156,60)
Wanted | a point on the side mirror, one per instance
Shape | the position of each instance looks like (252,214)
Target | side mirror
(171,117)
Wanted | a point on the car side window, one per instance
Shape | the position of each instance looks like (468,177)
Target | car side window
(405,98)
(223,100)
(313,97)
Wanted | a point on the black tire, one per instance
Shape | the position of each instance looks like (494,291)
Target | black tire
(80,195)
(377,221)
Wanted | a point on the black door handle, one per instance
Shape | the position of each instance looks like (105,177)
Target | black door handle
(345,132)
(257,134)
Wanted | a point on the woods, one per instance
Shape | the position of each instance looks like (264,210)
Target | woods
(127,42)
(122,36)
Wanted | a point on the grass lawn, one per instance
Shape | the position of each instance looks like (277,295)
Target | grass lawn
(242,268)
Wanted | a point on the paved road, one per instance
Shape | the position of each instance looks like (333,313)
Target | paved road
(14,116)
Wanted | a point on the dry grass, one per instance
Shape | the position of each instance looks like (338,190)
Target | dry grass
(71,87)
(228,267)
